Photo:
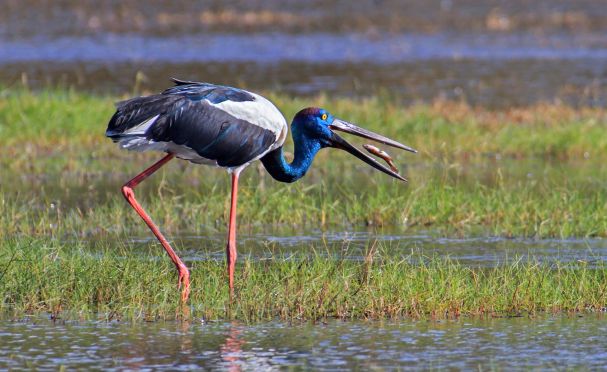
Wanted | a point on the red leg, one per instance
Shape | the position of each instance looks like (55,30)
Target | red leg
(127,191)
(231,248)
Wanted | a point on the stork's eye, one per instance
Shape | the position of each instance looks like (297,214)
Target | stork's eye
(324,117)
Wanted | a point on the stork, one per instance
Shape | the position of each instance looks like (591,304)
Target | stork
(229,128)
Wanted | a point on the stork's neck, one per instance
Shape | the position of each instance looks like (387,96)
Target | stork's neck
(276,164)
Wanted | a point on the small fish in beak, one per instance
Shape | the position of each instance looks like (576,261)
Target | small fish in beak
(340,143)
(382,154)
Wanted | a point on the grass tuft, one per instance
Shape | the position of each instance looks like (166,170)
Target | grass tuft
(118,284)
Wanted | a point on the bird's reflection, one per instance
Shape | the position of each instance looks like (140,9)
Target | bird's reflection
(231,350)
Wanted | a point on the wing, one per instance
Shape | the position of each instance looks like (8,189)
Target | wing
(200,122)
(213,93)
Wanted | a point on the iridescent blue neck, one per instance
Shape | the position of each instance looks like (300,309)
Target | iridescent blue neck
(276,164)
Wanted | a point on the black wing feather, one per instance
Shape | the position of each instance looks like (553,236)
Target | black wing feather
(187,117)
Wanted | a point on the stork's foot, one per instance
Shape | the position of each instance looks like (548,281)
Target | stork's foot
(184,283)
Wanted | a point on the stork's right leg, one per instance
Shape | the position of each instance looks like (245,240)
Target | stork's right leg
(231,247)
(127,191)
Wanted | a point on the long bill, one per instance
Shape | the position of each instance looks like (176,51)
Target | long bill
(344,126)
(340,143)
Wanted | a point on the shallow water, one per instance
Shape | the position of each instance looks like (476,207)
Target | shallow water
(484,251)
(308,48)
(484,53)
(516,343)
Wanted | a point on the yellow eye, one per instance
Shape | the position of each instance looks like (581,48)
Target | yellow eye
(324,117)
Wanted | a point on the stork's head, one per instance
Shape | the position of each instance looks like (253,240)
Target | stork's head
(318,125)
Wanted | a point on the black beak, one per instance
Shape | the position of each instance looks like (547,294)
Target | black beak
(341,143)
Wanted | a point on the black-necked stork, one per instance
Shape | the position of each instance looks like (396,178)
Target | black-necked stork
(230,128)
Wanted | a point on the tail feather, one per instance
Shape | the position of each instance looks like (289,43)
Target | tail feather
(136,116)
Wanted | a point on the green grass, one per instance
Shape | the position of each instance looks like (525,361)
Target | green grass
(60,120)
(55,153)
(115,284)
(526,208)
(534,172)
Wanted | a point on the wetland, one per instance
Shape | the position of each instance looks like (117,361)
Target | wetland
(492,257)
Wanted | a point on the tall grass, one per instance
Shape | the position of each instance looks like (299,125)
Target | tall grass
(65,119)
(525,209)
(60,175)
(477,171)
(115,283)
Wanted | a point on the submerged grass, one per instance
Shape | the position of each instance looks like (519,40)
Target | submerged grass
(117,284)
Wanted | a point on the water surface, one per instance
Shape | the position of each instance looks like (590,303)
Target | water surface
(482,251)
(504,344)
(486,53)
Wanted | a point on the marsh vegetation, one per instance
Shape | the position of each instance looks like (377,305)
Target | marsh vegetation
(536,172)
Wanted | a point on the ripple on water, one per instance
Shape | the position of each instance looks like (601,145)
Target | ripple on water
(564,342)
(483,251)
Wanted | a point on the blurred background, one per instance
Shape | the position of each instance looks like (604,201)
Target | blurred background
(488,53)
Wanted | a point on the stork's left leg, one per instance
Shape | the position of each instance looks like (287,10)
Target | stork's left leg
(231,248)
(129,194)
